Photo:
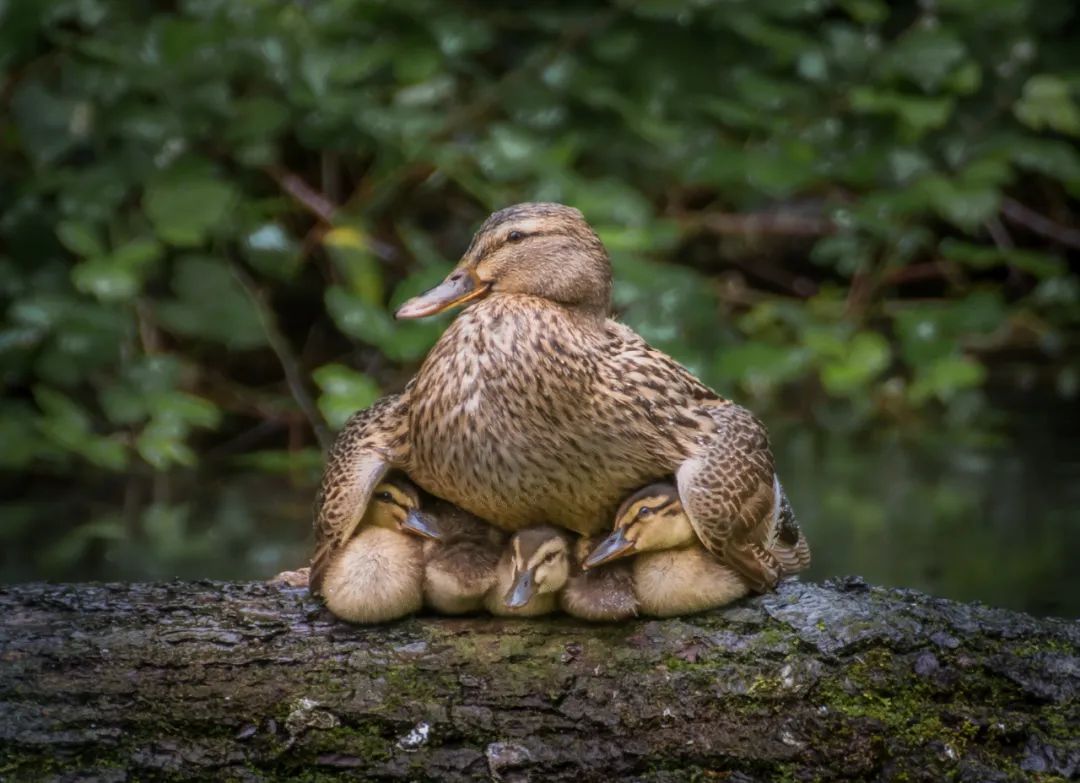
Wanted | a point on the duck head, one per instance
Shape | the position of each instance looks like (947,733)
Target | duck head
(536,249)
(395,505)
(540,563)
(652,518)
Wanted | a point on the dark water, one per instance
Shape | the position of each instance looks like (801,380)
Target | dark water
(972,515)
(963,515)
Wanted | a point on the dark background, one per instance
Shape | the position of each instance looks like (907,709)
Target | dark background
(856,217)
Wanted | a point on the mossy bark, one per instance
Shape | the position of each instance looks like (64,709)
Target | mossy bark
(254,682)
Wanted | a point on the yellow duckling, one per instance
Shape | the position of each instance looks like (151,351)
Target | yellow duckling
(541,571)
(378,575)
(673,574)
(535,408)
(531,572)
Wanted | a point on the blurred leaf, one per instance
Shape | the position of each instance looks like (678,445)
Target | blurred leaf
(989,257)
(761,367)
(917,114)
(270,250)
(67,425)
(927,56)
(18,433)
(945,377)
(345,391)
(80,238)
(166,529)
(371,323)
(186,202)
(866,356)
(118,276)
(64,552)
(1047,102)
(210,304)
(349,251)
(309,461)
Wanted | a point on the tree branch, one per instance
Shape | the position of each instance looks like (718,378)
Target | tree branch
(290,366)
(206,681)
(1039,224)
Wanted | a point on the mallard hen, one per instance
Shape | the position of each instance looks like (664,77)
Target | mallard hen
(534,407)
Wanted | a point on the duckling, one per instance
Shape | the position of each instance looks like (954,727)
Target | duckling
(673,573)
(378,575)
(600,594)
(541,571)
(532,571)
(460,562)
(534,407)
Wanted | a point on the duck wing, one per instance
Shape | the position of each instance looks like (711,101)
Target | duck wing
(370,444)
(729,490)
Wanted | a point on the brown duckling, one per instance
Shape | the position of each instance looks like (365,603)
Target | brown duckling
(600,594)
(460,561)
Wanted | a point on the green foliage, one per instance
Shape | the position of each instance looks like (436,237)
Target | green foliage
(803,200)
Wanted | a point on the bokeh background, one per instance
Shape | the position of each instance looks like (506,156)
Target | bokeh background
(857,217)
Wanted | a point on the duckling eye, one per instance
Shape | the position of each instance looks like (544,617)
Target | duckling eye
(515,236)
(550,558)
(644,512)
(384,496)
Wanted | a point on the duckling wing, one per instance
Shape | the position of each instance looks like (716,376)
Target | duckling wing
(729,492)
(366,448)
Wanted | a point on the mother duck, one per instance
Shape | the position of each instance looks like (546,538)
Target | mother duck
(536,408)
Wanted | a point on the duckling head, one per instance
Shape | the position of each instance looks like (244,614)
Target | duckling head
(395,505)
(538,249)
(540,562)
(650,519)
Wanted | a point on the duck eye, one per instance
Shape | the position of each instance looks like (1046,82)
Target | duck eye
(644,512)
(515,236)
(385,496)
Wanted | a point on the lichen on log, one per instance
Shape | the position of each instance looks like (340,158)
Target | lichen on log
(193,681)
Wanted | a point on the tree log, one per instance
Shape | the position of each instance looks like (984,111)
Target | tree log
(197,681)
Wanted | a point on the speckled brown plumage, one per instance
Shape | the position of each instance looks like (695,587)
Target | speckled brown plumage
(535,408)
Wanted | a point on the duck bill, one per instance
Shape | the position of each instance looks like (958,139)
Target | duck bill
(461,287)
(521,591)
(611,548)
(421,524)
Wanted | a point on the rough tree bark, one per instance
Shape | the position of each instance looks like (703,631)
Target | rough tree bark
(253,682)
